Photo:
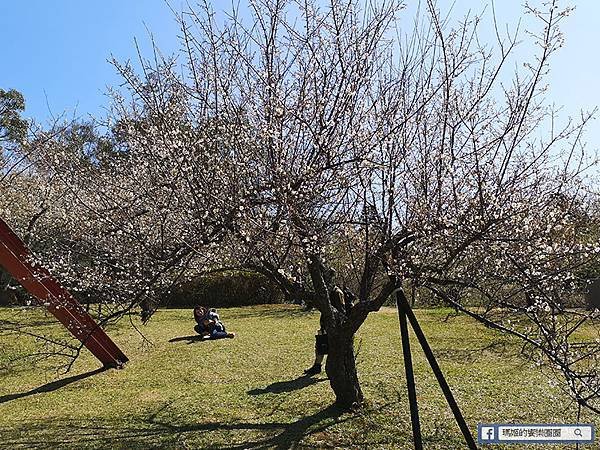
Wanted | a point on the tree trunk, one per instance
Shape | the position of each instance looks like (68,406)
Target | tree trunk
(341,369)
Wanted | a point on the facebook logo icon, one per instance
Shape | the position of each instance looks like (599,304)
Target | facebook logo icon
(487,434)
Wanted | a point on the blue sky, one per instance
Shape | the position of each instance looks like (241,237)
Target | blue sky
(55,51)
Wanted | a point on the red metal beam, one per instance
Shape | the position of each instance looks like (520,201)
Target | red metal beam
(18,261)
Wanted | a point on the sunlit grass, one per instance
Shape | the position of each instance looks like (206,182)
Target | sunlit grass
(245,392)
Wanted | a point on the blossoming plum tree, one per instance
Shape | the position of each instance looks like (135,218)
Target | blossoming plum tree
(412,157)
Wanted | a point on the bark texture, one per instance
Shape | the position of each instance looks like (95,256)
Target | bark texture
(341,370)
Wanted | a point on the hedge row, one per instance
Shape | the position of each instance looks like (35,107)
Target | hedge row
(225,290)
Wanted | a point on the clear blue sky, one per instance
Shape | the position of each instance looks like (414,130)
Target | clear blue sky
(56,51)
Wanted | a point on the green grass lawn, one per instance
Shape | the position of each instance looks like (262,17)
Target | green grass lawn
(246,392)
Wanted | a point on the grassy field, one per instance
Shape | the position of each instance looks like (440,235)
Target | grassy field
(247,393)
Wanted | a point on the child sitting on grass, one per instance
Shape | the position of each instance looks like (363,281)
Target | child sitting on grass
(209,325)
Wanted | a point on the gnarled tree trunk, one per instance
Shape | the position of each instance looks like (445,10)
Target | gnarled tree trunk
(341,369)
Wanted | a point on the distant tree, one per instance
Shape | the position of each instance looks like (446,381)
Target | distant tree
(13,131)
(12,126)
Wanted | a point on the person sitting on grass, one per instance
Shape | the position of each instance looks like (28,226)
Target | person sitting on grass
(209,325)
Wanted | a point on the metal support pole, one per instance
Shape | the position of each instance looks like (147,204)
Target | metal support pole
(403,304)
(410,378)
(17,260)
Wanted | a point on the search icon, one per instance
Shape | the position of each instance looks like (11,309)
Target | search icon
(577,432)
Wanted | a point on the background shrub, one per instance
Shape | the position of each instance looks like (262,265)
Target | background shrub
(225,289)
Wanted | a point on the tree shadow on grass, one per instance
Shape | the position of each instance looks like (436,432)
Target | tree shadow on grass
(287,386)
(189,339)
(288,437)
(154,432)
(53,386)
(163,430)
(279,435)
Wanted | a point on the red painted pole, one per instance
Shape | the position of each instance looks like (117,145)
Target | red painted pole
(18,261)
